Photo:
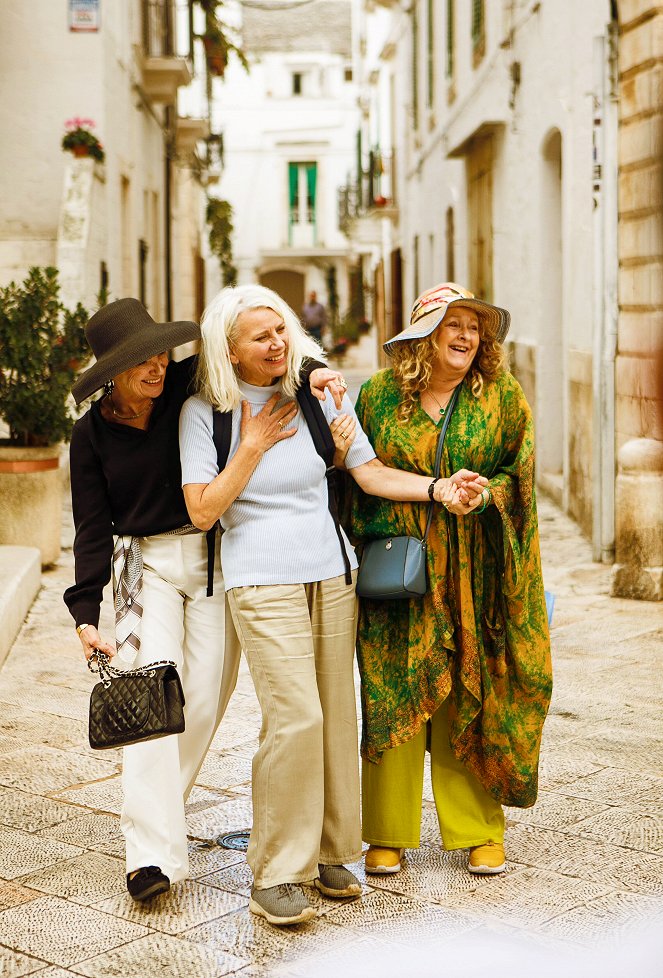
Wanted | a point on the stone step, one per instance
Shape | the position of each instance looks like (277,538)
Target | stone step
(20,580)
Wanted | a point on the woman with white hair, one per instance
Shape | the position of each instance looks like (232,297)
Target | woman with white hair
(289,571)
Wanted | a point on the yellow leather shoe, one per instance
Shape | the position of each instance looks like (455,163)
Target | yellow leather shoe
(381,860)
(488,859)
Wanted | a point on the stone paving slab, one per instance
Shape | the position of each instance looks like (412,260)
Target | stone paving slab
(162,956)
(14,965)
(188,905)
(61,932)
(584,865)
(253,939)
(85,879)
(22,853)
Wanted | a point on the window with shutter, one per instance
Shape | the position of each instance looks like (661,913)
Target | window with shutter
(302,193)
(450,62)
(478,31)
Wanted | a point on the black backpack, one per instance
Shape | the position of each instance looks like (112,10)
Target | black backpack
(324,446)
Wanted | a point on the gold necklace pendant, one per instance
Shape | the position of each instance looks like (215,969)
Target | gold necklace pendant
(128,417)
(442,409)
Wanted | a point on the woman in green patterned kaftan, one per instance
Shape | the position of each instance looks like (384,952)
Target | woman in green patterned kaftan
(467,667)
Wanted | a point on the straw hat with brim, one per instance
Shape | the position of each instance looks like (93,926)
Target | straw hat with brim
(122,335)
(432,306)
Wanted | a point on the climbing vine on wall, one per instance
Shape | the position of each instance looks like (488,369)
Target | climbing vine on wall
(219,217)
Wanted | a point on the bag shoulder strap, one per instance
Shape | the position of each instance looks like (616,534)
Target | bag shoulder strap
(324,446)
(438,455)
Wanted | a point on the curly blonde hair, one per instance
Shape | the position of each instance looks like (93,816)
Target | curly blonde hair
(413,362)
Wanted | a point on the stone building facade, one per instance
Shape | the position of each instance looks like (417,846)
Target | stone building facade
(638,571)
(515,147)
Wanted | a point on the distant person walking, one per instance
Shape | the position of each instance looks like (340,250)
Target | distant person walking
(314,317)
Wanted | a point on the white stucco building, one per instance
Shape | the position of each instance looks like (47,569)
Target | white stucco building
(131,225)
(289,129)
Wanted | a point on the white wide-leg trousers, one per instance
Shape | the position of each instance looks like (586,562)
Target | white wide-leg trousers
(180,623)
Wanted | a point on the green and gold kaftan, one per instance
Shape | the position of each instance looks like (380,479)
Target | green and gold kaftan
(480,635)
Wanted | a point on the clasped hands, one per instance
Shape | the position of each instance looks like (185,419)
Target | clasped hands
(464,492)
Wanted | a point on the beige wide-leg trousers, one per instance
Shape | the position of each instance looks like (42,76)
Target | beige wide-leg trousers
(299,642)
(180,623)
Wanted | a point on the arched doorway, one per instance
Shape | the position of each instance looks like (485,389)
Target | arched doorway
(288,284)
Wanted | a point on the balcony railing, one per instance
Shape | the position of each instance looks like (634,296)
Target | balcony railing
(347,205)
(158,28)
(373,191)
(163,69)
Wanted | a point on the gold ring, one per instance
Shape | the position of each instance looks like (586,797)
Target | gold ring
(281,423)
(343,383)
(343,435)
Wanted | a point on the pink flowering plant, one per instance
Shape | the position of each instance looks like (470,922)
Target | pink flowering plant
(79,137)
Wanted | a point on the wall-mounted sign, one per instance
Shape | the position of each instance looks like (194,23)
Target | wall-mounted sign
(84,15)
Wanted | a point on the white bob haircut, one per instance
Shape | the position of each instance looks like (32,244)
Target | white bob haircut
(217,379)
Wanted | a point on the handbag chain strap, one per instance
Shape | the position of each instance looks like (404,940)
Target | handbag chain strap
(106,671)
(438,456)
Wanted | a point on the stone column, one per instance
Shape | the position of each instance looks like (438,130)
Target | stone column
(638,571)
(639,409)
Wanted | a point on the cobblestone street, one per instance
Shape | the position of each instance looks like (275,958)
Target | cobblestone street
(585,870)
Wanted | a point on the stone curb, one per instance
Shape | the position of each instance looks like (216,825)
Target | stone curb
(20,580)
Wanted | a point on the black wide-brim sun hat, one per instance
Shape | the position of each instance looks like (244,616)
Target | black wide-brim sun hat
(122,335)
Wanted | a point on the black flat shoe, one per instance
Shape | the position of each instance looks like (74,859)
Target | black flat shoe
(147,882)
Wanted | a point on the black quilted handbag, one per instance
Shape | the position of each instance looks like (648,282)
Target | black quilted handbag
(127,707)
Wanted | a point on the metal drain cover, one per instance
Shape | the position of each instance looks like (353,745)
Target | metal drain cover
(235,840)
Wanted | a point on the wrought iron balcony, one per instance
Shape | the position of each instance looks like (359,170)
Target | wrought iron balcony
(372,194)
(158,28)
(162,68)
(347,206)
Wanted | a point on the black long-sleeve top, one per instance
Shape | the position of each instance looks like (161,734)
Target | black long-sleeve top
(128,482)
(124,481)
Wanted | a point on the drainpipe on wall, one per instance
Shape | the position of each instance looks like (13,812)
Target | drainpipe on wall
(168,139)
(606,265)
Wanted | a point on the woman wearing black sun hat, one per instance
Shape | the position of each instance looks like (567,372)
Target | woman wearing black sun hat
(131,520)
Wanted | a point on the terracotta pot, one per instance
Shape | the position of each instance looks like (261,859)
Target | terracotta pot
(80,151)
(217,65)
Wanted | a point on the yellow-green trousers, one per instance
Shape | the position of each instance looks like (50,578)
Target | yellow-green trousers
(392,793)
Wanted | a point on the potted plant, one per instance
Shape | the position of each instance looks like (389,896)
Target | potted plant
(217,42)
(340,347)
(42,347)
(80,141)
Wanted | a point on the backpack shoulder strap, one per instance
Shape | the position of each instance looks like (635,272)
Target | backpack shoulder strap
(317,424)
(221,433)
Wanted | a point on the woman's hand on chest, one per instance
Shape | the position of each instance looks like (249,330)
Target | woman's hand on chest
(263,430)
